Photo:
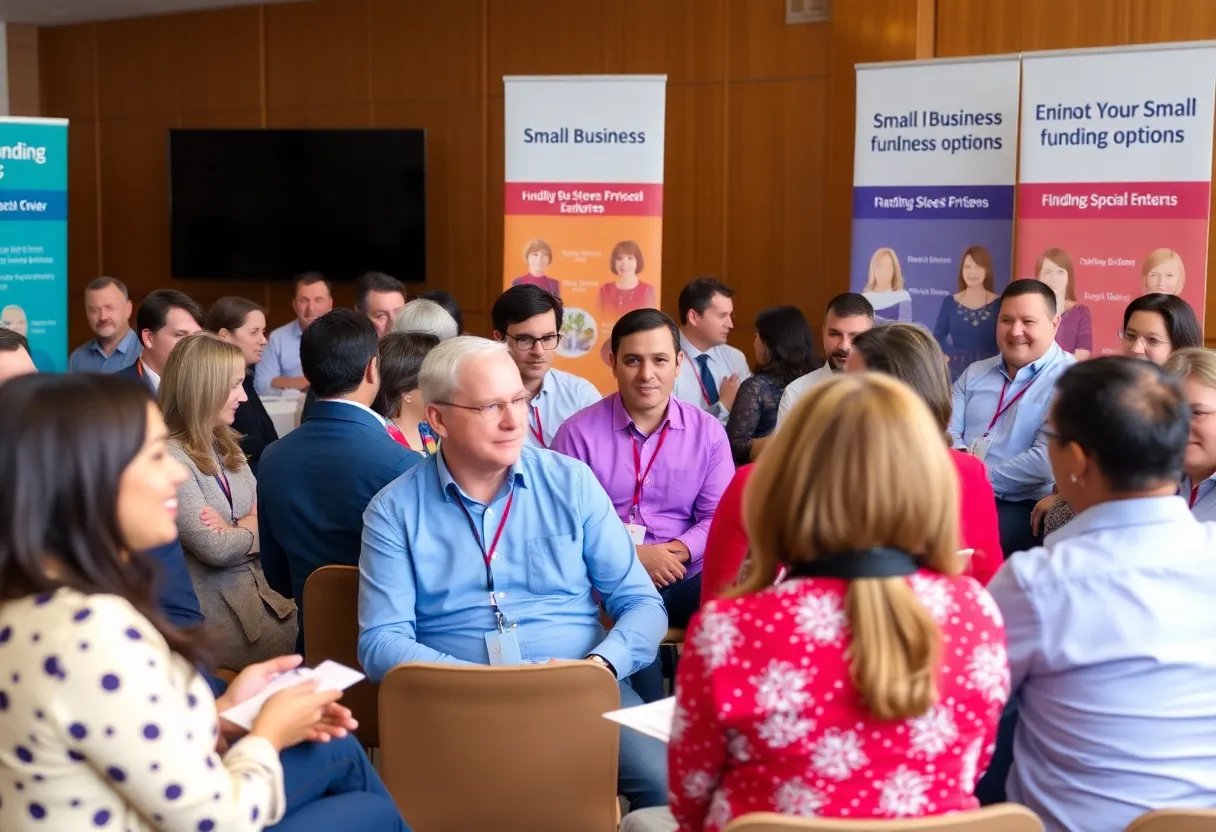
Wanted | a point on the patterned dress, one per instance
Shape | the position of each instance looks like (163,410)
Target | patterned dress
(767,719)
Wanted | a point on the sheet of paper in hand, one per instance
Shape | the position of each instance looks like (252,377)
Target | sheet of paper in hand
(331,676)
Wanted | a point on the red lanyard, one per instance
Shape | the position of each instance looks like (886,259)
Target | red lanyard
(539,430)
(641,475)
(398,436)
(1194,495)
(488,554)
(1001,407)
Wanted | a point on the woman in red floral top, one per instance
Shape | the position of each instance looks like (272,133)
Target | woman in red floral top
(869,683)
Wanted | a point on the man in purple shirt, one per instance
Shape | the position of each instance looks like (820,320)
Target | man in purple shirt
(664,464)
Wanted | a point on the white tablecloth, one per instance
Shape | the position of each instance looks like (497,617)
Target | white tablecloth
(285,413)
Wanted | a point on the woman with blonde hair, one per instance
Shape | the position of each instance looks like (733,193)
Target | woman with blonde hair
(868,684)
(1163,271)
(1196,368)
(885,288)
(217,518)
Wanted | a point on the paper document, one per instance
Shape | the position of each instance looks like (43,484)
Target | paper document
(332,676)
(653,719)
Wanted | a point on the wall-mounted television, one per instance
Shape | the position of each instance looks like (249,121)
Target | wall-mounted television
(271,204)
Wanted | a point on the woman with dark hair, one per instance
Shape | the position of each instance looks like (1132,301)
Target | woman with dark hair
(1154,327)
(399,402)
(966,322)
(242,322)
(104,718)
(785,350)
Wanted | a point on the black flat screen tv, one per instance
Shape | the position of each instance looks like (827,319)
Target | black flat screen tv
(272,204)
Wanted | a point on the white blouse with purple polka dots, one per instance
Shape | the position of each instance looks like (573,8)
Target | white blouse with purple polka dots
(103,727)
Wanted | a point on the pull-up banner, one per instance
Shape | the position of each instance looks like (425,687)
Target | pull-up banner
(1116,169)
(584,203)
(934,168)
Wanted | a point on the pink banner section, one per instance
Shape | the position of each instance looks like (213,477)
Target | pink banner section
(1114,200)
(583,199)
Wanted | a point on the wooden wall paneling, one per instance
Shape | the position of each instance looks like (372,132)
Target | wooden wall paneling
(1163,21)
(495,174)
(24,69)
(68,58)
(545,37)
(137,64)
(219,61)
(775,210)
(761,45)
(978,27)
(84,256)
(426,50)
(317,54)
(683,39)
(334,115)
(455,196)
(694,187)
(1050,24)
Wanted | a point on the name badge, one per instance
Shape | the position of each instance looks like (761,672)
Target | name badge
(637,533)
(504,647)
(979,448)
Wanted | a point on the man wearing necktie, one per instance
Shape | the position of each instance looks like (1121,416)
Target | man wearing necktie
(711,374)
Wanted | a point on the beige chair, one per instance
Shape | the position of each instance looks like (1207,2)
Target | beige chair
(331,631)
(1005,817)
(1175,820)
(527,747)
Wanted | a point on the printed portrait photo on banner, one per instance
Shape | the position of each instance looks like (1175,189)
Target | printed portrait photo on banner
(627,292)
(884,288)
(539,256)
(1163,272)
(1076,333)
(966,323)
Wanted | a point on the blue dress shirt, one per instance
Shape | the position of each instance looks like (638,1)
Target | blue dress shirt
(1110,630)
(1204,507)
(561,396)
(1017,458)
(422,590)
(280,358)
(91,358)
(724,360)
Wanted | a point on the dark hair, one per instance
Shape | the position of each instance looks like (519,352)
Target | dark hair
(1129,415)
(791,348)
(375,282)
(99,283)
(910,353)
(154,311)
(643,320)
(698,294)
(519,303)
(1031,286)
(230,313)
(980,256)
(68,440)
(308,279)
(449,305)
(1180,322)
(335,351)
(401,355)
(11,340)
(850,305)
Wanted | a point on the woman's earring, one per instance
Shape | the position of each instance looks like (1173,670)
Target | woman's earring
(1072,478)
(408,399)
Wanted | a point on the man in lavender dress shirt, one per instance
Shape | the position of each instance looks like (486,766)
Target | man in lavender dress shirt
(664,464)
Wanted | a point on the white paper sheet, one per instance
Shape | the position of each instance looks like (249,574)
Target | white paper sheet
(332,676)
(653,719)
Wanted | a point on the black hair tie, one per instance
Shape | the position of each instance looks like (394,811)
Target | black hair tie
(879,562)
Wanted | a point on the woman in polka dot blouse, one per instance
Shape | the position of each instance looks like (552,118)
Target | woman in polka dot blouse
(105,723)
(868,684)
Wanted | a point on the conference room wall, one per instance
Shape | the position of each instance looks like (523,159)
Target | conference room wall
(994,27)
(759,127)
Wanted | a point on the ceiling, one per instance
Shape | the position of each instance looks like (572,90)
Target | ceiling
(58,12)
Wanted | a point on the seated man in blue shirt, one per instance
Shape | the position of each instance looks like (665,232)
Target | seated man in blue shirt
(1110,626)
(1000,407)
(491,553)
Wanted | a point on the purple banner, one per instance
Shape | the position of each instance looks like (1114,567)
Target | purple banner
(934,202)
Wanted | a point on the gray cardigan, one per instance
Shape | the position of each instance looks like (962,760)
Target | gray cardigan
(225,565)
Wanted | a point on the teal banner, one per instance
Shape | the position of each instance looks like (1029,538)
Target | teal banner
(34,236)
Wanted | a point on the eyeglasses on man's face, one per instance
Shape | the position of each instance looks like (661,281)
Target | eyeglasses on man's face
(494,411)
(527,342)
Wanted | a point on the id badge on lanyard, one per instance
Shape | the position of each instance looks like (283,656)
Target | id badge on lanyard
(637,531)
(502,643)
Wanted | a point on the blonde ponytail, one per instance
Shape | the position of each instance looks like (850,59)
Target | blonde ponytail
(893,659)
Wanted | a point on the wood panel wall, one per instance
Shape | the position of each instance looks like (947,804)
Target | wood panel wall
(759,127)
(994,27)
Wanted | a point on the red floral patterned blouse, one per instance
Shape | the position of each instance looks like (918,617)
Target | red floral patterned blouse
(767,719)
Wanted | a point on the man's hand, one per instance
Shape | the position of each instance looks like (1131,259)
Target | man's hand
(664,562)
(727,390)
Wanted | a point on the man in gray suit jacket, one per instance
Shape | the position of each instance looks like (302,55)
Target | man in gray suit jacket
(315,483)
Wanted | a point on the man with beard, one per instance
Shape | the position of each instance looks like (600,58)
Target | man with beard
(847,316)
(529,320)
(116,347)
